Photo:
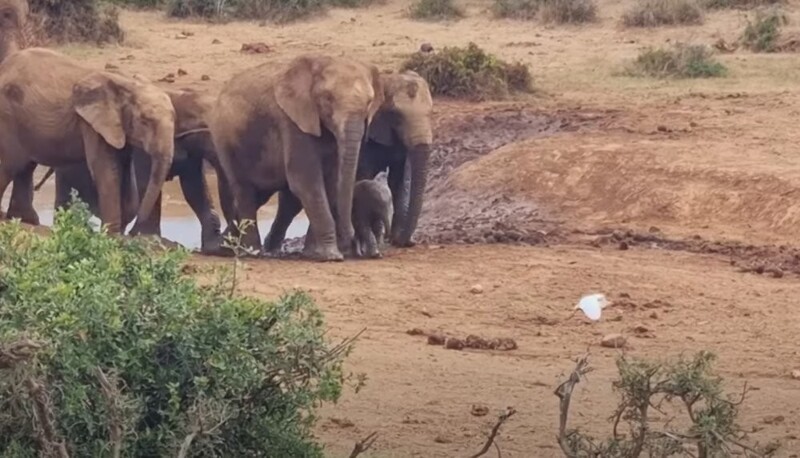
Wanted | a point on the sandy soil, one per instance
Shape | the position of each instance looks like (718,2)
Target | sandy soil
(678,192)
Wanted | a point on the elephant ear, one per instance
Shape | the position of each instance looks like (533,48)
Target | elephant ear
(293,93)
(380,97)
(96,103)
(380,130)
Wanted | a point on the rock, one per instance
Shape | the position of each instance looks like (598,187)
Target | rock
(654,315)
(454,344)
(796,374)
(215,42)
(436,339)
(773,419)
(479,410)
(256,48)
(476,289)
(111,67)
(169,78)
(205,78)
(440,439)
(182,72)
(415,332)
(476,342)
(187,34)
(623,246)
(613,341)
(426,47)
(504,344)
(641,329)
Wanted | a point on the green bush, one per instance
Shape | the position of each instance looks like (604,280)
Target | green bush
(738,4)
(524,10)
(568,11)
(435,10)
(761,34)
(653,13)
(680,61)
(106,344)
(274,10)
(77,20)
(469,73)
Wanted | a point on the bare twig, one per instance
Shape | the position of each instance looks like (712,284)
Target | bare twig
(564,393)
(187,443)
(197,430)
(44,421)
(744,447)
(363,445)
(15,352)
(491,439)
(111,395)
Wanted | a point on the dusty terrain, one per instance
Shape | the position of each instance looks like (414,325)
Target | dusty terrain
(683,192)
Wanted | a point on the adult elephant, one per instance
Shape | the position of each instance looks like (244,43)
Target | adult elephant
(298,128)
(55,112)
(193,145)
(399,139)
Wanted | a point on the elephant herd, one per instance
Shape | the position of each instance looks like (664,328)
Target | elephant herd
(316,131)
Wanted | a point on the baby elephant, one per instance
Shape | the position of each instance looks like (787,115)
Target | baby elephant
(372,214)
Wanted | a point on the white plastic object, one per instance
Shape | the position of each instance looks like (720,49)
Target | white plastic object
(592,305)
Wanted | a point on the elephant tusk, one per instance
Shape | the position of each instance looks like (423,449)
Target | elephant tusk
(192,131)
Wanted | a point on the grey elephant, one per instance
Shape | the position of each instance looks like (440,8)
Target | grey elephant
(56,112)
(193,146)
(372,214)
(298,128)
(399,139)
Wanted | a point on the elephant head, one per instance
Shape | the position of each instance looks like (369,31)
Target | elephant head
(127,113)
(340,96)
(404,120)
(13,17)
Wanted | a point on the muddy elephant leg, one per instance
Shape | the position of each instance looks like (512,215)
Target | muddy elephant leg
(289,207)
(104,164)
(195,191)
(21,205)
(399,183)
(142,165)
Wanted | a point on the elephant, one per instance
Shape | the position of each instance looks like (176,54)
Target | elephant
(399,138)
(299,128)
(55,112)
(372,214)
(193,145)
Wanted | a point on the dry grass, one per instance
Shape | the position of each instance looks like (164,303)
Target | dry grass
(568,11)
(435,10)
(77,20)
(762,32)
(679,61)
(653,13)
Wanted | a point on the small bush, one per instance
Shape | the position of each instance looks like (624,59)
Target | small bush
(114,347)
(680,61)
(653,13)
(738,4)
(275,10)
(516,9)
(762,33)
(77,20)
(568,11)
(469,73)
(435,10)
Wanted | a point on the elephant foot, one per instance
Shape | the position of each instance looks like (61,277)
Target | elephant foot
(323,254)
(27,217)
(403,243)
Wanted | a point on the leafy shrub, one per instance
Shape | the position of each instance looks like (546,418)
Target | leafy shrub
(652,13)
(469,73)
(275,10)
(516,9)
(435,10)
(738,4)
(568,11)
(762,33)
(77,20)
(680,61)
(113,347)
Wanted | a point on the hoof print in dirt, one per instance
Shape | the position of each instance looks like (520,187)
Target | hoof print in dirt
(613,341)
(256,48)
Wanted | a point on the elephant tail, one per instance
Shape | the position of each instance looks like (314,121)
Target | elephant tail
(44,179)
(185,133)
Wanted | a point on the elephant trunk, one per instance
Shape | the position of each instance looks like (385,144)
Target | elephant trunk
(417,161)
(349,145)
(160,164)
(9,44)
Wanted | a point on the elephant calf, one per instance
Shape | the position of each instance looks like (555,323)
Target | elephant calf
(372,214)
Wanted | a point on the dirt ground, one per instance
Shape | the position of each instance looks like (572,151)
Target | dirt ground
(678,199)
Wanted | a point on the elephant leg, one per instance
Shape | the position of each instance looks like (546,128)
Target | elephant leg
(289,207)
(366,235)
(379,231)
(399,181)
(21,205)
(104,165)
(141,166)
(195,191)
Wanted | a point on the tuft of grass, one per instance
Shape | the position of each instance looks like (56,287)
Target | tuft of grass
(568,11)
(739,4)
(680,61)
(435,10)
(470,73)
(761,34)
(653,13)
(523,10)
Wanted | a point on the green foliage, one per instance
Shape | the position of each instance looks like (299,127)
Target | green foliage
(761,34)
(133,348)
(738,4)
(679,61)
(653,13)
(470,73)
(78,20)
(649,389)
(435,10)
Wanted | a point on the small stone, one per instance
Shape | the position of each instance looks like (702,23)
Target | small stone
(476,289)
(796,374)
(613,341)
(215,42)
(415,332)
(111,67)
(454,344)
(426,47)
(654,315)
(182,72)
(205,78)
(479,410)
(774,419)
(187,34)
(641,329)
(662,129)
(440,439)
(623,246)
(256,48)
(436,339)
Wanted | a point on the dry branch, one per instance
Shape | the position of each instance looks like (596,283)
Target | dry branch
(16,352)
(363,445)
(44,421)
(493,434)
(111,396)
(564,393)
